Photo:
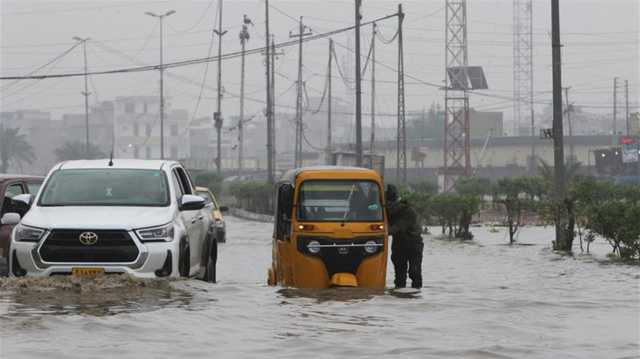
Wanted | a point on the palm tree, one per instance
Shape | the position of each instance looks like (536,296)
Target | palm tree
(14,148)
(77,151)
(571,171)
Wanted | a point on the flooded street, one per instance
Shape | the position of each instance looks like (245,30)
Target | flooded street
(481,299)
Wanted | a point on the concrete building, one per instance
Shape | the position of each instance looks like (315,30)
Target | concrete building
(503,156)
(136,129)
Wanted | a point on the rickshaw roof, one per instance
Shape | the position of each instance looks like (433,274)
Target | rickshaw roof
(321,171)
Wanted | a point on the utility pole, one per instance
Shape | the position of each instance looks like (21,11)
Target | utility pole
(564,239)
(244,37)
(274,55)
(217,116)
(373,93)
(161,18)
(568,110)
(86,93)
(268,112)
(615,112)
(358,3)
(626,100)
(402,128)
(299,128)
(329,130)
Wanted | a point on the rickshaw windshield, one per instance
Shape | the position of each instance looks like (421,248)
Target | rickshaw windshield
(339,200)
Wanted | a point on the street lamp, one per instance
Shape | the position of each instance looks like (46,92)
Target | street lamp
(86,91)
(161,17)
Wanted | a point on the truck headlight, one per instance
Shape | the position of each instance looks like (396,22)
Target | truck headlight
(28,234)
(162,233)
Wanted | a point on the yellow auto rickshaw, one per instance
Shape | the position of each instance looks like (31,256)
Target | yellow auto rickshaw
(330,229)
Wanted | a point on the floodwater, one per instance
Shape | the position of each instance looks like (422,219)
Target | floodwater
(482,299)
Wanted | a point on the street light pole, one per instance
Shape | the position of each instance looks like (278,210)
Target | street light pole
(161,18)
(244,37)
(218,114)
(359,162)
(85,93)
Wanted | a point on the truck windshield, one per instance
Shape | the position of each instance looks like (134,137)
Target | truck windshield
(340,200)
(106,187)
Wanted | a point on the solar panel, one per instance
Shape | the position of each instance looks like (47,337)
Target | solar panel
(467,78)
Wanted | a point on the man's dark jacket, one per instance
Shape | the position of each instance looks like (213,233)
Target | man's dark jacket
(404,225)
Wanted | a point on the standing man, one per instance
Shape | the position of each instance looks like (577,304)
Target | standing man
(407,246)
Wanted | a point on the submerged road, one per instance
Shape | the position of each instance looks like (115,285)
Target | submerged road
(481,299)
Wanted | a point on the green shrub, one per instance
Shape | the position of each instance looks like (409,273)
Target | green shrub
(253,196)
(209,179)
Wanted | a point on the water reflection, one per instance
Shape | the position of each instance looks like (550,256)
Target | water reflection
(331,294)
(100,296)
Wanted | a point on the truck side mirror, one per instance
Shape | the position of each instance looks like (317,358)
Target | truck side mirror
(10,219)
(189,202)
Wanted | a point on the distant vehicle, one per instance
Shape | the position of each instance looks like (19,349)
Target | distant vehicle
(219,225)
(330,229)
(140,217)
(10,187)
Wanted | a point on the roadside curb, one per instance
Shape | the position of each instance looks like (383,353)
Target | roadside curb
(241,213)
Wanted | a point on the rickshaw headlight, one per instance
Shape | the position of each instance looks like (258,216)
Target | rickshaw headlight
(313,247)
(371,247)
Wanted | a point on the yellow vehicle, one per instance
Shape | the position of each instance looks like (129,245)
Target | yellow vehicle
(330,229)
(219,225)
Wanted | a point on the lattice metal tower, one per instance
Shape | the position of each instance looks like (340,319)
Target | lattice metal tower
(523,69)
(457,159)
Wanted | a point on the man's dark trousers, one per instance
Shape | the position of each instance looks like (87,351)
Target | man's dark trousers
(407,258)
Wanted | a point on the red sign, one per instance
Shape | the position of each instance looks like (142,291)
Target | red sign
(627,140)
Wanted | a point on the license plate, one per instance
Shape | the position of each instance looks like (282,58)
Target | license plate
(87,272)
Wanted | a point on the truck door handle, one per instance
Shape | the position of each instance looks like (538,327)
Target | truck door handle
(200,217)
(193,220)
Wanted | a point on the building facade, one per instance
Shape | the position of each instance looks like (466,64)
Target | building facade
(136,129)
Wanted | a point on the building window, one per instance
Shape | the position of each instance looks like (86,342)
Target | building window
(135,152)
(174,130)
(148,152)
(174,152)
(135,129)
(145,108)
(129,107)
(147,130)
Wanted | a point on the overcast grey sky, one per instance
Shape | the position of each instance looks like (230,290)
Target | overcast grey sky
(601,40)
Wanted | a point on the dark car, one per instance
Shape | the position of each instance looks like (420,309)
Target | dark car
(11,186)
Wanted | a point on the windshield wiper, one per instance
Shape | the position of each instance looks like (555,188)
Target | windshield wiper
(346,213)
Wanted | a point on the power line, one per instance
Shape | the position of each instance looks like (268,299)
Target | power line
(227,56)
(50,62)
(206,71)
(202,16)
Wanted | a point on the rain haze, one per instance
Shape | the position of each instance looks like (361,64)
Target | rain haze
(157,201)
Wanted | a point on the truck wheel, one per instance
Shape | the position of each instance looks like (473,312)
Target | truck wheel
(184,264)
(212,259)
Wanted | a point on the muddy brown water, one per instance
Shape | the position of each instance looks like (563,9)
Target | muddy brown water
(481,299)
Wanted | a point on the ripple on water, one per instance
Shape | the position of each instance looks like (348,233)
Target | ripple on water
(99,296)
